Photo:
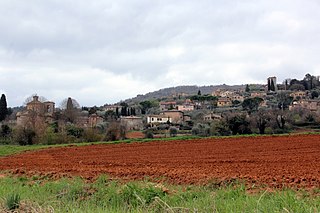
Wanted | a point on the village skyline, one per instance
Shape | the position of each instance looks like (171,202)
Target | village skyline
(61,100)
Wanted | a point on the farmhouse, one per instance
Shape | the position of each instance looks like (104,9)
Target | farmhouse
(224,102)
(188,105)
(298,95)
(155,120)
(237,97)
(95,120)
(223,93)
(312,105)
(168,105)
(212,117)
(258,95)
(176,116)
(132,122)
(112,108)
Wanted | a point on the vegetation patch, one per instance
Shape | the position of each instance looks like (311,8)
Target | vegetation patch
(105,195)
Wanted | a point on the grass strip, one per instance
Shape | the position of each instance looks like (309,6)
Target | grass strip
(106,195)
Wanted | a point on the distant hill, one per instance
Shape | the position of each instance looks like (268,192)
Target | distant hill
(181,90)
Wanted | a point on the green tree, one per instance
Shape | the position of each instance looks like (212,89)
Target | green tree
(146,105)
(247,88)
(199,92)
(238,124)
(314,94)
(5,131)
(272,86)
(3,107)
(117,112)
(284,100)
(124,109)
(251,104)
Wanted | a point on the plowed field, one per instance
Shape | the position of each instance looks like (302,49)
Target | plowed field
(291,161)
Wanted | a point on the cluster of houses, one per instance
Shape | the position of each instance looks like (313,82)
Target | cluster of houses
(171,112)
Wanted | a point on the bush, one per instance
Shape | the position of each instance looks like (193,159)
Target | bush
(50,137)
(202,130)
(74,131)
(92,135)
(148,133)
(5,131)
(24,136)
(122,132)
(220,128)
(134,195)
(13,202)
(173,131)
(113,132)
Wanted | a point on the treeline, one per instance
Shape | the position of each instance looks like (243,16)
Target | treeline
(309,82)
(262,121)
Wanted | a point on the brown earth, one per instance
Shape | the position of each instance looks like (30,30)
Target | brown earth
(286,161)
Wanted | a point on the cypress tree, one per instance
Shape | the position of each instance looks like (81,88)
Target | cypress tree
(272,86)
(247,88)
(3,107)
(117,112)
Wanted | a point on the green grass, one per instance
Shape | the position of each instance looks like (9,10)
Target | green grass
(13,149)
(104,195)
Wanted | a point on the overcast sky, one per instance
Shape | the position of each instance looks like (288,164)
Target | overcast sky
(104,51)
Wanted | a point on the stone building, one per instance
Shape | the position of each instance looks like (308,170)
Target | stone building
(168,105)
(36,113)
(132,122)
(95,120)
(177,117)
(224,102)
(155,120)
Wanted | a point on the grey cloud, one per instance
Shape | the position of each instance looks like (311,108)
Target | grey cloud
(154,43)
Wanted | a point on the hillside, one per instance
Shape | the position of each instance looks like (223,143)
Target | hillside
(181,90)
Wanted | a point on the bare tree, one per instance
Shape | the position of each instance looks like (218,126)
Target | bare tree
(261,119)
(71,109)
(30,98)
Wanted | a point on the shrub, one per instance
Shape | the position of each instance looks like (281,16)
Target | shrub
(134,195)
(13,201)
(5,131)
(148,133)
(113,132)
(92,135)
(122,132)
(202,130)
(220,128)
(173,131)
(195,131)
(50,137)
(74,131)
(24,136)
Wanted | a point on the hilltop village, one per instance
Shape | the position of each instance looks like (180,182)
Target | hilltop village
(273,108)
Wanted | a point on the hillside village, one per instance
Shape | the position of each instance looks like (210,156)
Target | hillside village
(292,105)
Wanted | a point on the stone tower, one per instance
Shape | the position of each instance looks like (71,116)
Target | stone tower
(272,84)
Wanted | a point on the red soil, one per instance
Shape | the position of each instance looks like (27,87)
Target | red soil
(290,161)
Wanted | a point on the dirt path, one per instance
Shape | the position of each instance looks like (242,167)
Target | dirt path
(292,161)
